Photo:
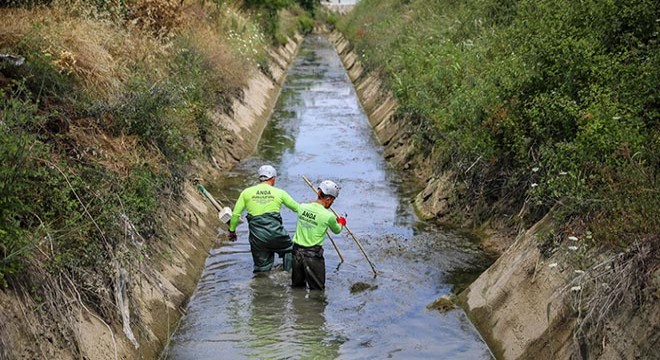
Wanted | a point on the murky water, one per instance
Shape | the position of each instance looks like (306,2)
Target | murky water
(320,131)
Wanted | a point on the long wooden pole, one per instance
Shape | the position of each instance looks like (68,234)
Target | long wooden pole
(349,231)
(341,258)
(208,195)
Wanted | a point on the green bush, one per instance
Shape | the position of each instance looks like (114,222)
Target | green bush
(305,24)
(544,102)
(17,147)
(149,111)
(75,211)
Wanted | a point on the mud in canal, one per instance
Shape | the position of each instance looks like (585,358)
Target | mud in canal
(320,131)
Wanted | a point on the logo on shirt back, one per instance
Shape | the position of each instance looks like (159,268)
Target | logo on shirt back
(263,197)
(309,217)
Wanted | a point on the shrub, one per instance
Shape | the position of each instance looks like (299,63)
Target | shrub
(17,148)
(546,103)
(305,24)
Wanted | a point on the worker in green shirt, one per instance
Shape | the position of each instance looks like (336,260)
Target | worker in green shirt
(314,219)
(267,234)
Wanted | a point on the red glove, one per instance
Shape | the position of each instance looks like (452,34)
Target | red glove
(232,236)
(341,221)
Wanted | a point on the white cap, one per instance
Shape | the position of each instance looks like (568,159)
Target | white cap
(328,187)
(266,172)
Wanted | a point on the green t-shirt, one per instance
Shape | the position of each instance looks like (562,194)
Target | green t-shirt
(260,199)
(313,221)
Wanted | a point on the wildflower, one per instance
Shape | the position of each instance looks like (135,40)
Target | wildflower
(535,169)
(535,185)
(572,248)
(573,238)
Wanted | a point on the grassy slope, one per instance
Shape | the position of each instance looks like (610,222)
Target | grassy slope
(99,127)
(547,104)
(538,107)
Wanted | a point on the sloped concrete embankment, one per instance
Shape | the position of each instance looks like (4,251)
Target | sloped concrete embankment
(525,303)
(532,303)
(151,298)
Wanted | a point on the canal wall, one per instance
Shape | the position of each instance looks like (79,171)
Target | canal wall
(151,295)
(524,304)
(162,291)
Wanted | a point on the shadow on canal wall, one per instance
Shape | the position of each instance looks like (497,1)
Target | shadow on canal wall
(525,304)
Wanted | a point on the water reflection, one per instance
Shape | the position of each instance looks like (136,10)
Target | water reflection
(285,322)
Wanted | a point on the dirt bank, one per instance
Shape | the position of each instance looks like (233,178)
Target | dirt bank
(527,304)
(150,298)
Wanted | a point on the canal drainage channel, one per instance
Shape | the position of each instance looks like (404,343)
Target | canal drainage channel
(320,131)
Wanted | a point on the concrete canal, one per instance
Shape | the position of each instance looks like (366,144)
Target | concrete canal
(320,131)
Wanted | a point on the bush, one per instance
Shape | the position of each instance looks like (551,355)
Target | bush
(544,102)
(17,147)
(305,24)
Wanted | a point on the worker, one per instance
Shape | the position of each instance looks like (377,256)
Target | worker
(314,219)
(267,234)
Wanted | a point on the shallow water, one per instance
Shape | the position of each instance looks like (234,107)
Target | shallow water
(319,130)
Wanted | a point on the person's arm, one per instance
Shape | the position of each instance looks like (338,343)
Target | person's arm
(236,214)
(288,201)
(334,225)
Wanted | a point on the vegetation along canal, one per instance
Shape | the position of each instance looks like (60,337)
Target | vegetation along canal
(319,131)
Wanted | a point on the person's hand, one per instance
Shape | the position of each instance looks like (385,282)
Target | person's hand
(341,221)
(232,236)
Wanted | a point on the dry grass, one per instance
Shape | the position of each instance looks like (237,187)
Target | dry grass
(160,17)
(102,52)
(228,41)
(226,66)
(117,154)
(95,50)
(623,278)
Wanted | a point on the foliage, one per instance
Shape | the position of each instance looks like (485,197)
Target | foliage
(71,206)
(16,145)
(533,104)
(305,24)
(273,16)
(148,111)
